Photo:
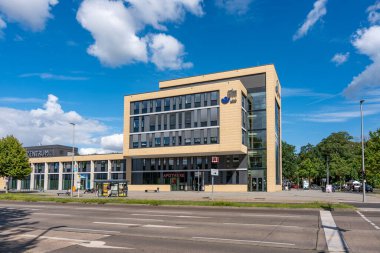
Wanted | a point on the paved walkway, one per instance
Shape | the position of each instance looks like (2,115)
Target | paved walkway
(293,196)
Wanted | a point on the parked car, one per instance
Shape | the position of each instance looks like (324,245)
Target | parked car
(368,188)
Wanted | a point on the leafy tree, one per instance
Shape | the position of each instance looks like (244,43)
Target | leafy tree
(289,161)
(372,158)
(14,161)
(310,162)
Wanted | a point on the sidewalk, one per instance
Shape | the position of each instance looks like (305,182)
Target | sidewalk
(293,196)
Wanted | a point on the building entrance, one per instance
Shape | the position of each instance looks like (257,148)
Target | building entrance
(257,184)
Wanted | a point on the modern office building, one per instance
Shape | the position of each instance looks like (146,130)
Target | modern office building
(173,137)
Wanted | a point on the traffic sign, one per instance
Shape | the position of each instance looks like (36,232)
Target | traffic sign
(214,172)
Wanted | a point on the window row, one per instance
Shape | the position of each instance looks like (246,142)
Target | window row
(176,120)
(175,103)
(175,138)
(85,166)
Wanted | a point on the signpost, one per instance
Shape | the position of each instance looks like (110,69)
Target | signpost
(214,172)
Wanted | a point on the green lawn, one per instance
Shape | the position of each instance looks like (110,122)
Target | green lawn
(47,198)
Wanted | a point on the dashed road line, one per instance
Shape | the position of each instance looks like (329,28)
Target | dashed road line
(263,225)
(241,241)
(334,240)
(135,225)
(367,220)
(53,214)
(172,216)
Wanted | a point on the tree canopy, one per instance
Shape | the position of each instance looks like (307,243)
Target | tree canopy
(14,161)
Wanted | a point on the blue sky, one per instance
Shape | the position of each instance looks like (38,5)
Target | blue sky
(74,60)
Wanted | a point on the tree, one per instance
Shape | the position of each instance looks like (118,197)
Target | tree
(289,161)
(372,158)
(14,161)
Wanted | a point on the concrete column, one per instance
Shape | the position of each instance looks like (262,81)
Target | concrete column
(128,170)
(60,176)
(92,175)
(109,177)
(18,185)
(46,176)
(32,177)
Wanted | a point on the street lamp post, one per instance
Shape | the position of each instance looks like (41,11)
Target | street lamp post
(72,161)
(362,138)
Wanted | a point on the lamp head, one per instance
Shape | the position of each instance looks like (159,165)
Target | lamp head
(362,101)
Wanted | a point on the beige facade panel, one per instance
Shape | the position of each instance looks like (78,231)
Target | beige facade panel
(149,187)
(227,188)
(217,76)
(230,125)
(78,158)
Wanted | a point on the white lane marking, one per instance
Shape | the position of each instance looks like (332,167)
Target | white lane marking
(369,221)
(160,226)
(116,223)
(173,216)
(264,225)
(241,241)
(96,209)
(334,240)
(84,243)
(53,214)
(171,212)
(138,219)
(89,230)
(139,225)
(270,215)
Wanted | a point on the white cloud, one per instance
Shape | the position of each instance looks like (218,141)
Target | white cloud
(300,92)
(50,76)
(318,11)
(167,52)
(51,125)
(3,25)
(112,142)
(366,41)
(373,14)
(117,28)
(20,100)
(239,7)
(340,58)
(31,14)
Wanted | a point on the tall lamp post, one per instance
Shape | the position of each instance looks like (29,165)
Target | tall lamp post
(362,137)
(72,161)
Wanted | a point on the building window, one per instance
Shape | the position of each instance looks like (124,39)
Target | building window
(174,102)
(136,106)
(187,137)
(214,98)
(197,136)
(172,121)
(135,124)
(143,141)
(152,123)
(203,117)
(157,141)
(167,104)
(205,97)
(158,105)
(150,105)
(144,107)
(166,141)
(197,100)
(180,120)
(187,119)
(214,116)
(214,136)
(188,101)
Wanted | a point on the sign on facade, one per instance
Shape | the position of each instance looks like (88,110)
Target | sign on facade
(214,172)
(215,159)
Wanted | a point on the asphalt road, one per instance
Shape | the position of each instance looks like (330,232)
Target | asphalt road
(50,227)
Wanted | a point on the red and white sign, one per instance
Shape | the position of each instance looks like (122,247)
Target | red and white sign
(215,159)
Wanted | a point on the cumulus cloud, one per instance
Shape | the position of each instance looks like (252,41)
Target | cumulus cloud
(367,42)
(340,58)
(51,125)
(31,14)
(373,14)
(167,52)
(117,28)
(238,7)
(318,11)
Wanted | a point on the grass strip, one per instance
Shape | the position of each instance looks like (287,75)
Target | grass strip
(48,198)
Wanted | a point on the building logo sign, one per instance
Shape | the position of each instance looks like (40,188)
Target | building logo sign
(173,175)
(40,153)
(230,98)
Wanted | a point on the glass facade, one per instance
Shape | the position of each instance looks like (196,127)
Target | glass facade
(257,134)
(177,121)
(182,173)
